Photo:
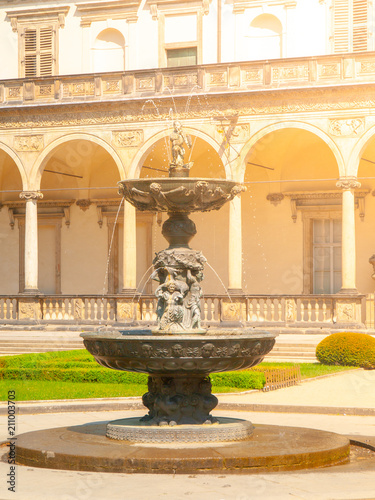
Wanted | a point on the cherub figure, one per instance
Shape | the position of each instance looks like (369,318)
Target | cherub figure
(178,138)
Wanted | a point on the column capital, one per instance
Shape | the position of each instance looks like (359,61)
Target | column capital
(31,195)
(347,183)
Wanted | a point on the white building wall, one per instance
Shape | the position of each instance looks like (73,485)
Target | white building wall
(305,32)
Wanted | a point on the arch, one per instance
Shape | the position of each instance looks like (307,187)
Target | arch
(355,156)
(265,37)
(19,164)
(143,152)
(109,51)
(285,125)
(38,167)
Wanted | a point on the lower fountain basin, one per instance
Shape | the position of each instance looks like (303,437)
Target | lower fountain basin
(218,350)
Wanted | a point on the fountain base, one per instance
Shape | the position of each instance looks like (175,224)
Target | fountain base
(136,430)
(269,449)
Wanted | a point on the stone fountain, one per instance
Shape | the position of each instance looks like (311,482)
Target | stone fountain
(179,355)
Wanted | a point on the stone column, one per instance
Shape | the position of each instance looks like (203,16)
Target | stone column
(130,250)
(348,185)
(235,246)
(31,241)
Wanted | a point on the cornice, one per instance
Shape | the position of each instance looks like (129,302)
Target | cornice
(41,14)
(239,6)
(175,7)
(101,11)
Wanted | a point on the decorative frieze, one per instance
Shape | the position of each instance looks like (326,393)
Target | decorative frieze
(349,127)
(367,67)
(299,72)
(145,83)
(28,143)
(253,75)
(329,70)
(128,138)
(112,86)
(218,78)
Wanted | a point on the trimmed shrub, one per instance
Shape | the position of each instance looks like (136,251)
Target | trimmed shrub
(347,349)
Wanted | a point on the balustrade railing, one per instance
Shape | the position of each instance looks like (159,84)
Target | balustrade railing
(256,310)
(221,77)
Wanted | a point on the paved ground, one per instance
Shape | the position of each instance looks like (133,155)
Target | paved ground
(357,481)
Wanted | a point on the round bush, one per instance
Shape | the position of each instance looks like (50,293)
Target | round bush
(347,349)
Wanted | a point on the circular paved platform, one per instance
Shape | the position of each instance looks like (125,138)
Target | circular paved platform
(269,449)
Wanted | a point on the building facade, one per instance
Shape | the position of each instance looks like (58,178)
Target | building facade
(276,94)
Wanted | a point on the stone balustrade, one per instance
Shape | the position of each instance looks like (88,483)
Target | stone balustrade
(299,72)
(335,311)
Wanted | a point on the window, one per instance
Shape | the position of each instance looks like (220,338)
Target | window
(264,38)
(37,29)
(109,51)
(350,25)
(326,254)
(181,57)
(38,51)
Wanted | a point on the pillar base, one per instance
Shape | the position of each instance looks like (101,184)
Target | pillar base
(348,291)
(30,291)
(235,291)
(129,292)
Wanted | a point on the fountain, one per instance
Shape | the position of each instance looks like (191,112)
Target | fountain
(178,355)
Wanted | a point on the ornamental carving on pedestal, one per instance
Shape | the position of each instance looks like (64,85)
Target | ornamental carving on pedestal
(29,310)
(290,311)
(231,311)
(28,142)
(345,312)
(347,127)
(127,311)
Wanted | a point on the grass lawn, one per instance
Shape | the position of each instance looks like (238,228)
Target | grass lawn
(76,375)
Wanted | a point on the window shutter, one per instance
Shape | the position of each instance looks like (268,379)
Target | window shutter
(46,51)
(39,50)
(360,14)
(30,52)
(341,19)
(350,25)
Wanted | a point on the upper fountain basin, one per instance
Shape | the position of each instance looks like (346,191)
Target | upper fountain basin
(179,194)
(219,350)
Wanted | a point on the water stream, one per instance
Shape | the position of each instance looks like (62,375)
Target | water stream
(109,253)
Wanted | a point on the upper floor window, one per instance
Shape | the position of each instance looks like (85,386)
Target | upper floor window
(181,57)
(37,38)
(109,51)
(38,51)
(350,25)
(265,38)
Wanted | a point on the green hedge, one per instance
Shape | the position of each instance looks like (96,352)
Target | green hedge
(347,349)
(80,366)
(241,380)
